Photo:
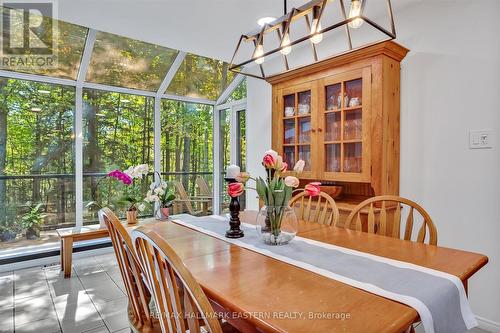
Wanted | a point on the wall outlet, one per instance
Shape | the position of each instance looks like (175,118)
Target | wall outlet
(480,139)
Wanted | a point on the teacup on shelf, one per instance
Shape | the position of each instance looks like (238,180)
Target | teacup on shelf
(289,111)
(303,109)
(354,102)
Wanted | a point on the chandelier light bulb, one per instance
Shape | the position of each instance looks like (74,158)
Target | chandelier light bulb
(259,51)
(355,11)
(316,26)
(287,48)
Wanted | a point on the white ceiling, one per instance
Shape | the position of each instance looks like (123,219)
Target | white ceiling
(206,27)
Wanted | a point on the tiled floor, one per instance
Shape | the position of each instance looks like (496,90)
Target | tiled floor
(92,301)
(41,300)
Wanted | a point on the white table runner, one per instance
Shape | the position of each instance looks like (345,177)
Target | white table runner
(438,297)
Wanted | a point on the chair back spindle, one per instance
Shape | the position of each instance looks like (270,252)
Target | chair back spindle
(323,210)
(388,222)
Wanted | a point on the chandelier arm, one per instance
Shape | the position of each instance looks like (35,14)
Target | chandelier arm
(231,63)
(347,30)
(378,27)
(389,10)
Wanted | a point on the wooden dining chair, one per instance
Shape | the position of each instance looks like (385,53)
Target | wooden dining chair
(385,219)
(204,190)
(189,202)
(325,210)
(181,303)
(140,318)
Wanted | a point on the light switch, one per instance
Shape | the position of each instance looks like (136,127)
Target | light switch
(480,139)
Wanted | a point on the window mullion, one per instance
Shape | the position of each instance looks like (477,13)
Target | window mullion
(78,131)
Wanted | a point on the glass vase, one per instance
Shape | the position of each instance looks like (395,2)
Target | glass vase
(277,225)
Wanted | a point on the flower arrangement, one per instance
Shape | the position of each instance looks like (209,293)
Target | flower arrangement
(132,192)
(161,194)
(275,191)
(132,195)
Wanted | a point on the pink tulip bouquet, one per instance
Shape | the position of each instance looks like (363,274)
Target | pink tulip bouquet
(275,191)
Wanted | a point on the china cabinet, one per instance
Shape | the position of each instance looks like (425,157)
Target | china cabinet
(341,116)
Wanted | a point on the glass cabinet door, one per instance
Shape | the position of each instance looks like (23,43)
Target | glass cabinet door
(344,145)
(297,127)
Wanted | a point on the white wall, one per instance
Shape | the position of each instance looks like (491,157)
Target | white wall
(258,130)
(450,85)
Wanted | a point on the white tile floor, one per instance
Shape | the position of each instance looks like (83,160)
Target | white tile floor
(93,300)
(40,300)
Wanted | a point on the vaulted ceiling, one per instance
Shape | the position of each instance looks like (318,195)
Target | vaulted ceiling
(206,27)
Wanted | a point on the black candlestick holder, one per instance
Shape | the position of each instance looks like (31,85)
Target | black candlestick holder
(234,210)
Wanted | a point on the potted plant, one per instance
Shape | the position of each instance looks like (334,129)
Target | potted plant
(9,229)
(162,196)
(32,220)
(132,196)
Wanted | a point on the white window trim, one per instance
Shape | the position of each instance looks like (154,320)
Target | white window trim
(233,107)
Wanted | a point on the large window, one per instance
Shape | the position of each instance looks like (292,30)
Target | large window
(68,46)
(187,153)
(63,128)
(117,134)
(201,77)
(126,62)
(36,157)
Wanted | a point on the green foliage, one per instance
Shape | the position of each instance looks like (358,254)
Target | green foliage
(33,218)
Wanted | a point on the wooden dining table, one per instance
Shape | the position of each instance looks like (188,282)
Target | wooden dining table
(257,293)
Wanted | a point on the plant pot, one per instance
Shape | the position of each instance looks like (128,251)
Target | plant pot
(277,225)
(131,216)
(32,233)
(7,236)
(165,213)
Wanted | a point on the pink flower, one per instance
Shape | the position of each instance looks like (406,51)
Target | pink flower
(292,181)
(284,167)
(243,177)
(121,176)
(313,189)
(235,189)
(269,161)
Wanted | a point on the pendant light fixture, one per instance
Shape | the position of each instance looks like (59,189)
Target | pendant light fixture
(252,64)
(316,37)
(355,12)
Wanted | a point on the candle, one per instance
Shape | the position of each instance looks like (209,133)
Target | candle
(232,171)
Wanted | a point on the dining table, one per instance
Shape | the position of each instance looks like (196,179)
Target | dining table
(257,293)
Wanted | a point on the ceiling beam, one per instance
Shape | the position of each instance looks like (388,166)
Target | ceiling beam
(230,88)
(87,53)
(171,72)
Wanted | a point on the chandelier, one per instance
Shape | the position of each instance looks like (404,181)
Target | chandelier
(281,45)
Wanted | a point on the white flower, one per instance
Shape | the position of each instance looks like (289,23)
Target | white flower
(141,207)
(299,166)
(159,191)
(150,197)
(273,153)
(138,171)
(141,169)
(291,181)
(130,171)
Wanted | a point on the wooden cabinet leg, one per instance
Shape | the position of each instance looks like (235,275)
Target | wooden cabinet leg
(68,256)
(62,255)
